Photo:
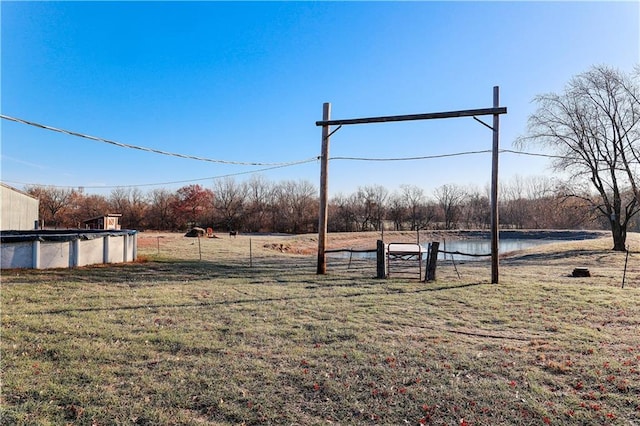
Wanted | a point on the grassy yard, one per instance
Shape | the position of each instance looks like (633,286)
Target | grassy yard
(251,335)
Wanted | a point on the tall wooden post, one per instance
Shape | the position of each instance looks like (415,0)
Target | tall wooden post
(494,189)
(381,260)
(432,261)
(324,197)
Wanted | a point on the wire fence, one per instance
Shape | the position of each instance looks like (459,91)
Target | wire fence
(364,262)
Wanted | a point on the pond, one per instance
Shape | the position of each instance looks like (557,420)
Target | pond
(477,247)
(469,246)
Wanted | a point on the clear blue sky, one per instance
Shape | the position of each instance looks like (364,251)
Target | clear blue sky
(245,82)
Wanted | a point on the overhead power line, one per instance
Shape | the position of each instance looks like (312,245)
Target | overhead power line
(294,163)
(142,148)
(532,154)
(426,157)
(168,183)
(454,154)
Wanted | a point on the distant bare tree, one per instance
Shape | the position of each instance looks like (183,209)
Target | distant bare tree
(477,209)
(160,214)
(397,211)
(296,209)
(87,206)
(131,203)
(229,202)
(136,215)
(593,127)
(450,198)
(342,213)
(258,196)
(513,203)
(414,200)
(371,203)
(53,203)
(305,207)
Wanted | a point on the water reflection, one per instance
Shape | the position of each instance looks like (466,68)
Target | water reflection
(478,247)
(472,247)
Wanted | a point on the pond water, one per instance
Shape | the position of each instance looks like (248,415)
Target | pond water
(471,246)
(484,247)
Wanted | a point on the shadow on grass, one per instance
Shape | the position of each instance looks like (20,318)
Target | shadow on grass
(246,301)
(295,272)
(160,271)
(541,257)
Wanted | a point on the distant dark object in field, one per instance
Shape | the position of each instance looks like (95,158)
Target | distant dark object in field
(581,272)
(233,233)
(195,232)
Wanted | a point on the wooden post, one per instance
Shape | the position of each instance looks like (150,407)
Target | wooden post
(381,264)
(324,197)
(494,189)
(432,262)
(624,274)
(495,111)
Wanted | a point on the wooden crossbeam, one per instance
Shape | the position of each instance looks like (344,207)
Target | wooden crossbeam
(413,117)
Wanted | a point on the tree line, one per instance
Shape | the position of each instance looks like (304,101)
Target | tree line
(259,205)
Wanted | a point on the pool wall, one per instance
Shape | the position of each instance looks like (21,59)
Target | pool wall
(43,249)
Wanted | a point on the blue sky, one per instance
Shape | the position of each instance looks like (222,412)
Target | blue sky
(245,82)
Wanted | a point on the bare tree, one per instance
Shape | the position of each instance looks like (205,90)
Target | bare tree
(414,200)
(514,205)
(131,203)
(371,203)
(86,207)
(629,139)
(342,213)
(160,213)
(229,202)
(295,209)
(450,198)
(305,206)
(591,127)
(397,211)
(53,203)
(259,193)
(477,209)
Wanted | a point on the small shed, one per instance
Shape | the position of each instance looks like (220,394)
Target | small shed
(19,209)
(107,221)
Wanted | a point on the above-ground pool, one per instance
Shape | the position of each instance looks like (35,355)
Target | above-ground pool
(44,249)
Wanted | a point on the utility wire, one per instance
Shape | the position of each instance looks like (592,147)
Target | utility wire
(244,163)
(272,165)
(169,183)
(142,148)
(533,154)
(455,154)
(427,157)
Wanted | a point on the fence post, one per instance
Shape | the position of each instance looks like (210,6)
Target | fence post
(381,264)
(432,262)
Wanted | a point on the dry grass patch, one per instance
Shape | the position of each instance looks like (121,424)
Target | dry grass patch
(176,340)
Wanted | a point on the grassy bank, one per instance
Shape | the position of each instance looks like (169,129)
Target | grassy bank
(249,334)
